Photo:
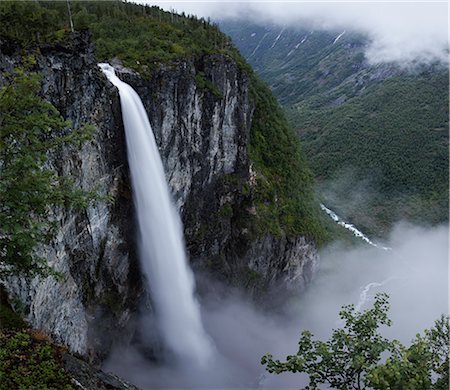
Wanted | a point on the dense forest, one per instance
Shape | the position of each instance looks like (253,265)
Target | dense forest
(375,135)
(390,143)
(139,35)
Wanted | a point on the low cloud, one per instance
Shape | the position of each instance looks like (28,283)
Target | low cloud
(414,273)
(401,32)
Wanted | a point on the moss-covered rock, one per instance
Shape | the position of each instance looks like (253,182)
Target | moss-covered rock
(29,359)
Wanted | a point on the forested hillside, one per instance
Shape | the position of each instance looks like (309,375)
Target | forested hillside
(382,156)
(376,135)
(139,35)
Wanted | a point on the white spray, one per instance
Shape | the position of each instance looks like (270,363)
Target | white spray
(162,251)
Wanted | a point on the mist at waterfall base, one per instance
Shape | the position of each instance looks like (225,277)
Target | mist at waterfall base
(219,343)
(414,273)
(161,245)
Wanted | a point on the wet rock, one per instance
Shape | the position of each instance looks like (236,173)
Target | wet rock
(86,377)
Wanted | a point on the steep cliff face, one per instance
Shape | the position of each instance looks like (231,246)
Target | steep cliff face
(93,249)
(201,113)
(203,136)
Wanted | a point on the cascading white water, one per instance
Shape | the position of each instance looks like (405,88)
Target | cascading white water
(162,249)
(349,226)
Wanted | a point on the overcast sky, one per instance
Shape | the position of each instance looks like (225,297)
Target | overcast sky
(402,31)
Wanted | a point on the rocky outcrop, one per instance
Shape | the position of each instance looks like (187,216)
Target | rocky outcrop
(203,136)
(201,112)
(94,302)
(86,377)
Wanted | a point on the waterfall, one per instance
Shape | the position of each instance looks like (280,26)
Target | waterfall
(349,226)
(161,245)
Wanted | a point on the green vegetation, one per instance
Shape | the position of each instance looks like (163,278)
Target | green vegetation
(225,210)
(204,83)
(284,198)
(31,129)
(353,356)
(27,359)
(394,138)
(141,36)
(28,22)
(26,362)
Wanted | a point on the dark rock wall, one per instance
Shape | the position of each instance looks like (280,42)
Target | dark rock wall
(94,248)
(201,114)
(203,137)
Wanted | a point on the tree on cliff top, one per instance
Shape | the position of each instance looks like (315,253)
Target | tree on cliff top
(30,130)
(352,357)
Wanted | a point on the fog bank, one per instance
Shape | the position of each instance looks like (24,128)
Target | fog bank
(414,273)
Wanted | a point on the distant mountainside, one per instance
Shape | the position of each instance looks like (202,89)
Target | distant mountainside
(376,136)
(297,63)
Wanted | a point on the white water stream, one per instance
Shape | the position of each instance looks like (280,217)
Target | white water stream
(162,251)
(364,295)
(349,226)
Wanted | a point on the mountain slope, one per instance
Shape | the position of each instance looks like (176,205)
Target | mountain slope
(300,62)
(389,145)
(376,136)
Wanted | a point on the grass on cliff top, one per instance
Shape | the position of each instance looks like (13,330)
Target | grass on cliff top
(142,36)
